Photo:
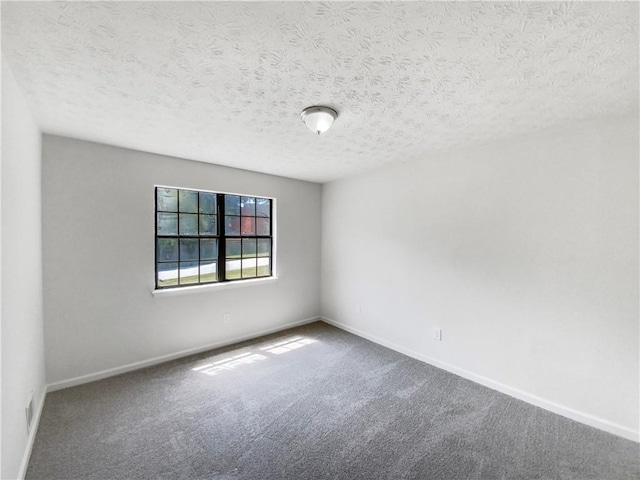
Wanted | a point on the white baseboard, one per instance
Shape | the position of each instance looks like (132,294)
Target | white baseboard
(32,435)
(92,377)
(554,407)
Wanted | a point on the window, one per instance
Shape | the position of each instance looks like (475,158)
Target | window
(208,237)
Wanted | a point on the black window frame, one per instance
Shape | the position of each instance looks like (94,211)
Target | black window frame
(220,236)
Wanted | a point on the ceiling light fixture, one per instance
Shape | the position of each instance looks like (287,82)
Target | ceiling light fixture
(318,119)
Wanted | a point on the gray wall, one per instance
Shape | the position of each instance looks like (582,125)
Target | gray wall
(21,286)
(98,231)
(524,253)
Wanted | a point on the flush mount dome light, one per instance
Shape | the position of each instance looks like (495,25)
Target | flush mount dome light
(318,119)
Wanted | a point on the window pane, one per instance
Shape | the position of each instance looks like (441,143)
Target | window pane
(264,247)
(248,225)
(263,207)
(264,266)
(232,226)
(188,272)
(231,205)
(167,199)
(167,224)
(188,224)
(208,225)
(232,269)
(188,249)
(189,230)
(207,202)
(234,248)
(248,206)
(188,201)
(167,274)
(208,272)
(167,250)
(248,247)
(262,226)
(208,249)
(248,267)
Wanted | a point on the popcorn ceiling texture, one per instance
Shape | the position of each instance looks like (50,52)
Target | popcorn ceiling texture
(226,82)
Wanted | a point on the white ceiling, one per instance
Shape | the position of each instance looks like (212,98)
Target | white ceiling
(226,82)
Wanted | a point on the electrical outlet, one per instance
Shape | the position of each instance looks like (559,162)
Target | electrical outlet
(226,317)
(437,334)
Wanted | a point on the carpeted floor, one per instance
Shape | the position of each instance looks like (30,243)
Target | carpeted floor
(311,403)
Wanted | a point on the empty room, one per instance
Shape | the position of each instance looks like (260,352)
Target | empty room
(320,240)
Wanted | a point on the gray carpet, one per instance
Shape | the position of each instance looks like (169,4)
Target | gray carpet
(324,404)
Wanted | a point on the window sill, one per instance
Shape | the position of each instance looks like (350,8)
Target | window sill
(170,292)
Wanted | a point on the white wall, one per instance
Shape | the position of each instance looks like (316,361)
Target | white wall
(525,254)
(98,227)
(22,341)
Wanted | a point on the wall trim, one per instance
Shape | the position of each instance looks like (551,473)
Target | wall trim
(549,405)
(92,377)
(32,435)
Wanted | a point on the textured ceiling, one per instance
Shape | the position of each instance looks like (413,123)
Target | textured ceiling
(225,82)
